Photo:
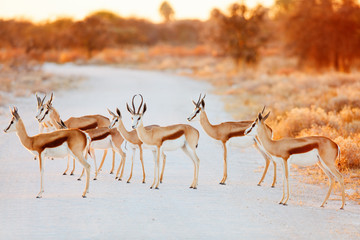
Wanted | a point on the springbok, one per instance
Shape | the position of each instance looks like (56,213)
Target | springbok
(102,138)
(134,142)
(48,115)
(223,132)
(305,151)
(166,139)
(54,144)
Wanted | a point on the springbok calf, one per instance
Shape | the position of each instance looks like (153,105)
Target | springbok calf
(54,144)
(166,139)
(305,151)
(102,138)
(50,117)
(223,132)
(134,142)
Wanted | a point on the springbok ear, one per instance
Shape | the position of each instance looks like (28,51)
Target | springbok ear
(260,117)
(38,100)
(51,98)
(118,112)
(203,103)
(267,115)
(262,112)
(194,103)
(144,108)
(15,113)
(111,113)
(129,109)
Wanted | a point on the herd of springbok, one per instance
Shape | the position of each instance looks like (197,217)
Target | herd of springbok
(78,137)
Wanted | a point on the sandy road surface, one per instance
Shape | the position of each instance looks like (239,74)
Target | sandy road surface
(113,209)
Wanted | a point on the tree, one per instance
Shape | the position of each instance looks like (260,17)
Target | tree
(324,33)
(238,34)
(166,11)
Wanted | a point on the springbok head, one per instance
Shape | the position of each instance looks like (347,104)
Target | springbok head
(136,116)
(253,129)
(199,106)
(116,118)
(44,110)
(15,118)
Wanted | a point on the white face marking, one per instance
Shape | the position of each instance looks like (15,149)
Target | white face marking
(114,123)
(135,120)
(252,130)
(11,127)
(44,116)
(194,114)
(40,112)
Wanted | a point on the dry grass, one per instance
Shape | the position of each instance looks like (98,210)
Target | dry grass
(19,78)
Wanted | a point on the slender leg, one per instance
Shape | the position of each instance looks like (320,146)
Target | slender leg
(284,182)
(117,172)
(198,166)
(103,159)
(223,180)
(86,166)
(142,162)
(113,162)
(96,169)
(67,167)
(82,173)
(287,173)
(132,165)
(155,155)
(41,165)
(331,182)
(158,168)
(186,151)
(163,166)
(267,162)
(274,180)
(122,170)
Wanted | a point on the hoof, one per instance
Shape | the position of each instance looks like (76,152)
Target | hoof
(160,181)
(52,158)
(143,182)
(272,186)
(71,174)
(119,179)
(38,197)
(157,188)
(79,179)
(83,196)
(191,187)
(150,187)
(259,184)
(194,187)
(342,208)
(284,204)
(64,173)
(280,203)
(111,172)
(95,179)
(222,183)
(323,206)
(128,182)
(116,177)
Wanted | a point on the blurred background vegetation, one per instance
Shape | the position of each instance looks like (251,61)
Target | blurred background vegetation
(301,58)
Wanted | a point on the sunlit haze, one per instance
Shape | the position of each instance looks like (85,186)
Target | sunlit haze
(39,10)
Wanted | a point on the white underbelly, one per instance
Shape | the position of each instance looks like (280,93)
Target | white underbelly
(171,145)
(305,159)
(102,144)
(57,152)
(243,142)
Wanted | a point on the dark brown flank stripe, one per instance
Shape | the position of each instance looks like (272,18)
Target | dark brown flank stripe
(173,136)
(303,149)
(99,137)
(91,126)
(236,134)
(55,143)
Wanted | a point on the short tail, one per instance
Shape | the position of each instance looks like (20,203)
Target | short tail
(87,148)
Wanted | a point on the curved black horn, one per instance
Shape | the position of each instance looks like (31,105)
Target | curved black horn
(132,103)
(263,109)
(142,101)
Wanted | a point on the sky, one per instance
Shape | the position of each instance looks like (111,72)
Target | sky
(39,10)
